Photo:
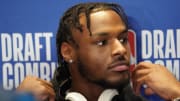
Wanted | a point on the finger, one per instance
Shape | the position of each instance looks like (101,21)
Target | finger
(138,84)
(52,99)
(139,76)
(44,82)
(133,85)
(148,91)
(138,87)
(144,65)
(48,98)
(46,90)
(47,87)
(42,98)
(138,68)
(140,73)
(50,90)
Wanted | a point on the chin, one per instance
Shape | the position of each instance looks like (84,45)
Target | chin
(119,80)
(122,84)
(114,84)
(119,84)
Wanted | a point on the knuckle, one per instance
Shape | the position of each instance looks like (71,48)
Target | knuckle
(42,88)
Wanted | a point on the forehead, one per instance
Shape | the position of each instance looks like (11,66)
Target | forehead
(107,20)
(101,21)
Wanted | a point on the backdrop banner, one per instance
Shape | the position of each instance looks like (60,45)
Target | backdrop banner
(28,32)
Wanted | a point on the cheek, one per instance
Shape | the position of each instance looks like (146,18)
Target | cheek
(95,62)
(100,57)
(94,55)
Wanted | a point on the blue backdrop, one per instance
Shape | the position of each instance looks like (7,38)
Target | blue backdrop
(28,29)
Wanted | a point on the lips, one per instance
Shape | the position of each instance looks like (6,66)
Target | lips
(119,66)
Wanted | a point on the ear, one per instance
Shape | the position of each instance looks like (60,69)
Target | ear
(67,51)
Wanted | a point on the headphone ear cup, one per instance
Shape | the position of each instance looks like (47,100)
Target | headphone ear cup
(108,94)
(75,96)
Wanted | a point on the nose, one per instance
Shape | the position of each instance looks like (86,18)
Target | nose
(118,48)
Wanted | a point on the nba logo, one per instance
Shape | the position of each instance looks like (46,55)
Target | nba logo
(133,62)
(132,43)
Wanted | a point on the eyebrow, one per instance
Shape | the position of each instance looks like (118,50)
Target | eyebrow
(100,34)
(106,33)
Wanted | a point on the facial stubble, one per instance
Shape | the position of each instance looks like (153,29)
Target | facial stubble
(120,84)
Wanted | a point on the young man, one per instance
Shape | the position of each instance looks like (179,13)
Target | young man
(94,57)
(93,49)
(93,42)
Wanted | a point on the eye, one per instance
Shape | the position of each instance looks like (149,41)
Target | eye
(123,40)
(102,43)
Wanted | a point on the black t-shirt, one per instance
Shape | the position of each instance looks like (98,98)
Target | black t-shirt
(128,95)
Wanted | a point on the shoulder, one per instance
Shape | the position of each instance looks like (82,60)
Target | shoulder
(128,95)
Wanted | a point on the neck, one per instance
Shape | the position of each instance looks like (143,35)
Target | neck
(89,90)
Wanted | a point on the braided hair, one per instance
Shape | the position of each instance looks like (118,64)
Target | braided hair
(62,78)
